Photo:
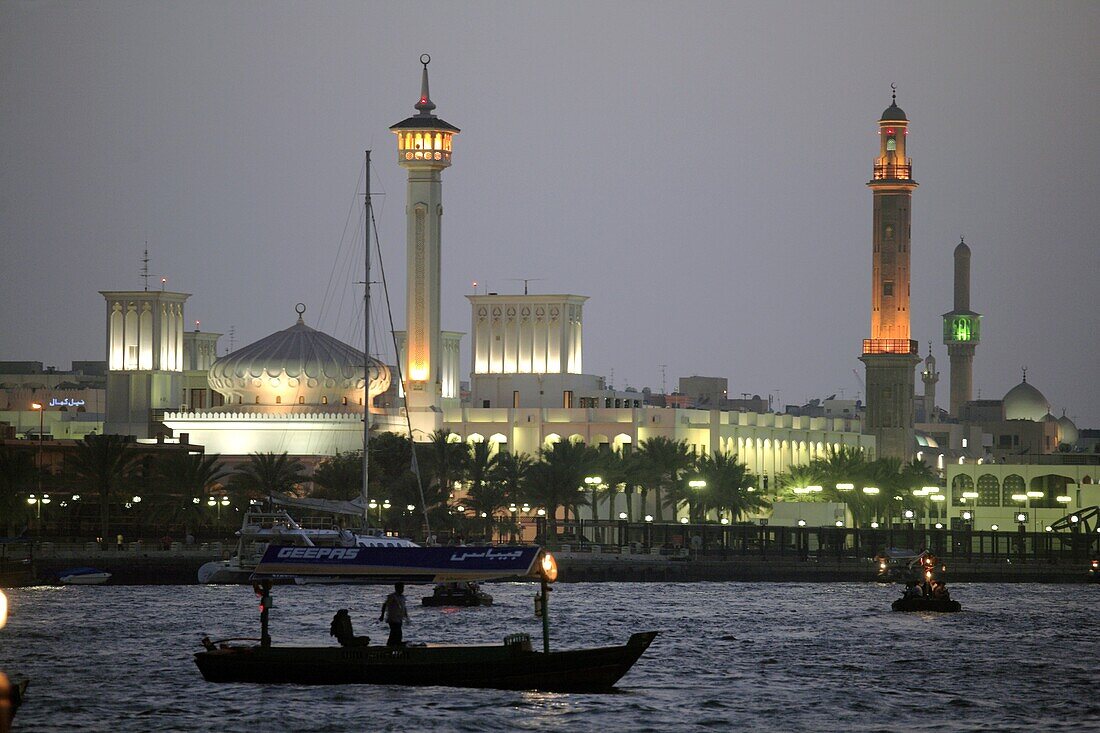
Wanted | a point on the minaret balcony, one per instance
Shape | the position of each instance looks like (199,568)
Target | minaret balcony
(893,172)
(436,157)
(890,346)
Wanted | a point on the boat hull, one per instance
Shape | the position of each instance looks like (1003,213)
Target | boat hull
(925,604)
(502,667)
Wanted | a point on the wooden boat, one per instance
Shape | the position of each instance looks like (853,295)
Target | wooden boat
(508,666)
(925,604)
(513,665)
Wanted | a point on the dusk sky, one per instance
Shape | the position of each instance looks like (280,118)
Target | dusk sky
(697,169)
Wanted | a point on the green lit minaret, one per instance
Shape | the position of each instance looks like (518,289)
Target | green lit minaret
(962,330)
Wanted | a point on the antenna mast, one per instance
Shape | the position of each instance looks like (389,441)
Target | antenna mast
(366,339)
(145,265)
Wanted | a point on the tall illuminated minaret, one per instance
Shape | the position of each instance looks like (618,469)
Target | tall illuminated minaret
(424,148)
(890,354)
(962,330)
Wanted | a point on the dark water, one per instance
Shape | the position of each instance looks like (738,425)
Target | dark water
(753,656)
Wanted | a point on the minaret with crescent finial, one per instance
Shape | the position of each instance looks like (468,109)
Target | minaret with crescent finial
(890,354)
(424,149)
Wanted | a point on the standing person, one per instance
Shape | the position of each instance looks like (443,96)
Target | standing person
(394,613)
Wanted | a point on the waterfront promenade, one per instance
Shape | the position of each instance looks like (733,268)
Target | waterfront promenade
(138,563)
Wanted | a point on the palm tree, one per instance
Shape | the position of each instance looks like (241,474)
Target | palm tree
(268,473)
(184,479)
(666,461)
(509,473)
(616,471)
(444,462)
(339,476)
(17,477)
(485,496)
(103,465)
(558,479)
(730,485)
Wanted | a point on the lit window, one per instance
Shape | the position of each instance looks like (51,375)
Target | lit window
(301,400)
(891,143)
(419,144)
(438,141)
(324,399)
(278,399)
(344,401)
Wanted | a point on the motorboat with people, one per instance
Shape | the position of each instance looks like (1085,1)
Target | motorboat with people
(261,529)
(926,604)
(458,594)
(927,591)
(1094,570)
(510,665)
(83,576)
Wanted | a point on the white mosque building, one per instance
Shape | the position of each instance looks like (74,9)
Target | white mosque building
(301,391)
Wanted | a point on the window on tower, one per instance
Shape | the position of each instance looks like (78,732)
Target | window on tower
(891,143)
(888,288)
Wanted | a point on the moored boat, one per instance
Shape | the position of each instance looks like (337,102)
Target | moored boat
(83,576)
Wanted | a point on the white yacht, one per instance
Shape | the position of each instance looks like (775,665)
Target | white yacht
(259,529)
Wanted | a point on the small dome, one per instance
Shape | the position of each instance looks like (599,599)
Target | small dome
(894,113)
(300,365)
(1069,434)
(1024,402)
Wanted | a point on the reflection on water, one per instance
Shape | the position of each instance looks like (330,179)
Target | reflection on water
(777,656)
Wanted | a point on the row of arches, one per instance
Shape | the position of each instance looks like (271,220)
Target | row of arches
(1042,492)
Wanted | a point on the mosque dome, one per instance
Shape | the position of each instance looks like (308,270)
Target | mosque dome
(894,113)
(297,366)
(1024,402)
(1068,430)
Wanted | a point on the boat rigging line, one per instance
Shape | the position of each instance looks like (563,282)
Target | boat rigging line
(369,224)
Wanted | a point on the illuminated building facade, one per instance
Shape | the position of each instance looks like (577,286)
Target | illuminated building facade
(890,354)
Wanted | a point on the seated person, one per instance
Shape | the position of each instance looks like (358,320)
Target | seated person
(341,629)
(939,592)
(912,590)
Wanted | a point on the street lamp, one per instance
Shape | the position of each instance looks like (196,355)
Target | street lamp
(38,454)
(37,503)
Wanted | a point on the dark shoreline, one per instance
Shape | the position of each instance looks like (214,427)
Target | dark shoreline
(128,569)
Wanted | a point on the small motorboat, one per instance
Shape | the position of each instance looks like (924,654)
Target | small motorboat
(83,576)
(458,594)
(939,605)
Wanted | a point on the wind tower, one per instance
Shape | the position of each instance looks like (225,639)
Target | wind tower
(962,329)
(424,149)
(890,354)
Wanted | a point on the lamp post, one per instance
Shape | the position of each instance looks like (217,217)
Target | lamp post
(37,502)
(38,453)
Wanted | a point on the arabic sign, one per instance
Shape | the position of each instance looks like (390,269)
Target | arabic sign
(401,564)
(67,402)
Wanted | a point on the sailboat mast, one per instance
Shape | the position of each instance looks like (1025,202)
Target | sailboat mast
(366,340)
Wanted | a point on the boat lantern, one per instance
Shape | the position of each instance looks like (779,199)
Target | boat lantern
(548,567)
(3,609)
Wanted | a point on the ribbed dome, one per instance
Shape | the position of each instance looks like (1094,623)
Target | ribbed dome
(1024,402)
(1069,434)
(300,365)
